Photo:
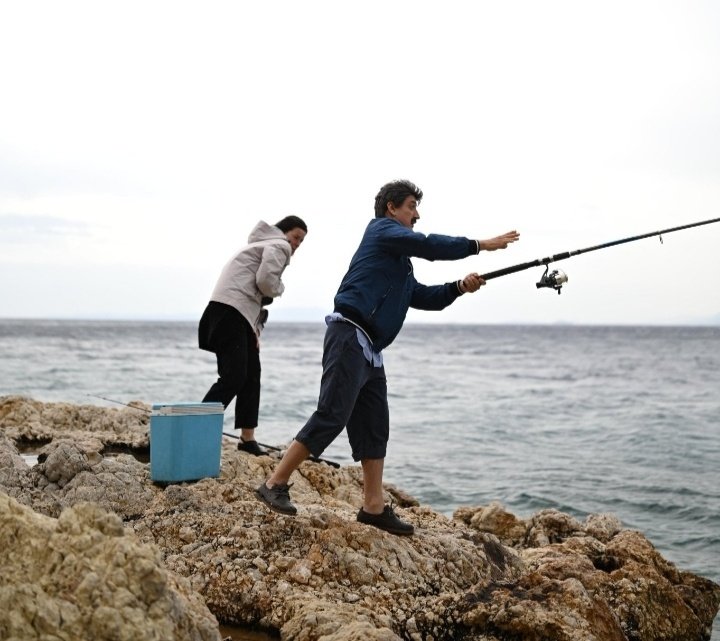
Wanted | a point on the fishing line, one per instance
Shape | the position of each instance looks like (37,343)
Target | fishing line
(312,457)
(134,407)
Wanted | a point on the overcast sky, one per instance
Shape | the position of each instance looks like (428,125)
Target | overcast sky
(141,141)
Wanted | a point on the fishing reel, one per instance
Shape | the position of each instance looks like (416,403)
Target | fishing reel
(555,279)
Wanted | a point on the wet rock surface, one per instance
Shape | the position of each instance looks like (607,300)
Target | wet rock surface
(211,547)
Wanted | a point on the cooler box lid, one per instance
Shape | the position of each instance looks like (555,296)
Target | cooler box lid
(187,409)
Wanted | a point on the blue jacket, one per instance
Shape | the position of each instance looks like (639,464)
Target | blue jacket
(380,286)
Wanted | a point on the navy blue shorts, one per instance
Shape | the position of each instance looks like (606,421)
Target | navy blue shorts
(353,394)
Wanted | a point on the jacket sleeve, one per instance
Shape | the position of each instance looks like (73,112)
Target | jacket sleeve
(397,239)
(275,259)
(433,297)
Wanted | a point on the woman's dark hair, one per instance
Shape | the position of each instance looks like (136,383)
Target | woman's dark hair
(395,192)
(291,222)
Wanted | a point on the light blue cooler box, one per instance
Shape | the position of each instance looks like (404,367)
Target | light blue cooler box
(185,441)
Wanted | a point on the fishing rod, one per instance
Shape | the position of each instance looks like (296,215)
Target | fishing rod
(133,407)
(312,457)
(557,278)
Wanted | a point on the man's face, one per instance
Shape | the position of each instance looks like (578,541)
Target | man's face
(295,237)
(407,214)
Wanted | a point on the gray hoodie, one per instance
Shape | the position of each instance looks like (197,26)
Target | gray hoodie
(254,272)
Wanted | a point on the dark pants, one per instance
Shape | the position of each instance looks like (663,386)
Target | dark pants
(238,362)
(353,394)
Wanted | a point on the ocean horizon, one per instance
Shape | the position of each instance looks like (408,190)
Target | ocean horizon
(317,315)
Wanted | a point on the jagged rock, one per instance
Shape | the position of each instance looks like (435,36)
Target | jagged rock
(494,518)
(27,420)
(84,576)
(484,575)
(70,472)
(14,471)
(611,583)
(602,526)
(62,460)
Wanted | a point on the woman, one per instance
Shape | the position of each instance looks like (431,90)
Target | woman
(231,323)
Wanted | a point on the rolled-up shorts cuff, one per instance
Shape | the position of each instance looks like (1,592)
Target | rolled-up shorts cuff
(316,449)
(377,453)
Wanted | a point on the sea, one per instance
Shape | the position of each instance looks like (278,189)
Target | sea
(583,419)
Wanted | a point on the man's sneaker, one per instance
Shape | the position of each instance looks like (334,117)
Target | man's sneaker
(276,498)
(251,447)
(387,520)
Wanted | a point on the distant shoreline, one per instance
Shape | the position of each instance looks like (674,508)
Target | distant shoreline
(714,322)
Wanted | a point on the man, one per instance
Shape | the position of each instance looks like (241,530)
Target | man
(370,308)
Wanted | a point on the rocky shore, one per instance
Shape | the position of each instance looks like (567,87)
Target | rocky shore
(92,549)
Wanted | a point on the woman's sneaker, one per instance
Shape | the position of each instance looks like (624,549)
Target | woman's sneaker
(251,447)
(276,498)
(387,520)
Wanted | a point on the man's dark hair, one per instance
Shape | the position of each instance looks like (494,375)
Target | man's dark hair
(395,192)
(291,222)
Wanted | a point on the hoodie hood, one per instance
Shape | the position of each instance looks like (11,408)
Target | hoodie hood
(263,231)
